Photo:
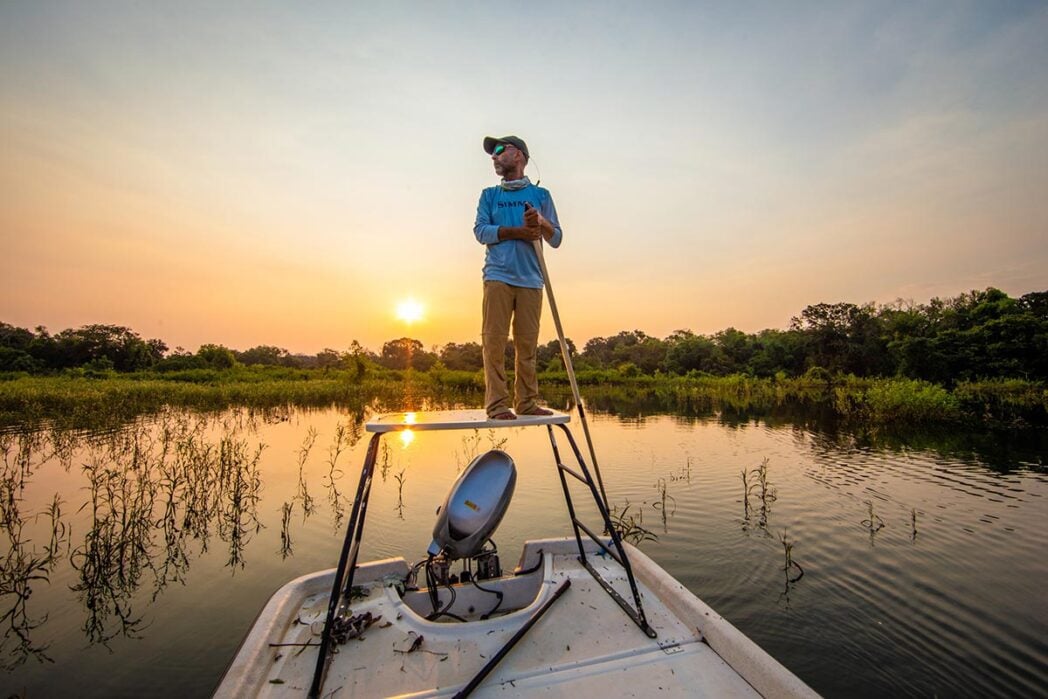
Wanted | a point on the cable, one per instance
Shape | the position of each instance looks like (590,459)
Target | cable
(431,585)
(411,580)
(493,592)
(533,568)
(444,611)
(434,598)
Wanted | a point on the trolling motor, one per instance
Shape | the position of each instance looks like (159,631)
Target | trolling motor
(465,521)
(475,506)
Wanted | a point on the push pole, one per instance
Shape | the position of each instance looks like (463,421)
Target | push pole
(569,367)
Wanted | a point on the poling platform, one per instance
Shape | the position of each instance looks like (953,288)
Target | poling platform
(622,625)
(457,420)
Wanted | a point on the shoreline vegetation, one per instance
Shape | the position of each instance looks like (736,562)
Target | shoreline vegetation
(979,359)
(107,401)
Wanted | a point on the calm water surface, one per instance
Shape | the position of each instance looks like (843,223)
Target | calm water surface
(137,560)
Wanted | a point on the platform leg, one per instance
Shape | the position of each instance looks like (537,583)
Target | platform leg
(567,494)
(347,563)
(637,614)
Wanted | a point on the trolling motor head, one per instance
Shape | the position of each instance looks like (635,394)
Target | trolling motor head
(475,506)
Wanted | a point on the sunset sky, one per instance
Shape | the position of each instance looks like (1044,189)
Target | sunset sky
(290,173)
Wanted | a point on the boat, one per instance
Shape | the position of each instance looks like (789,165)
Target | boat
(587,615)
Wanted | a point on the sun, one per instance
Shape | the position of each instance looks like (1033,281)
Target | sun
(410,311)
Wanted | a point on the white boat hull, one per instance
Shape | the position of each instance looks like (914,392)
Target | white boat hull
(585,646)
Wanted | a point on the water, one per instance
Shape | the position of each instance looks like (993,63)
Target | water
(918,561)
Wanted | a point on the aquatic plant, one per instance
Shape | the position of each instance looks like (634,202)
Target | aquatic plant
(240,486)
(399,477)
(303,455)
(1012,403)
(285,529)
(685,472)
(760,488)
(385,460)
(23,566)
(159,491)
(345,437)
(790,564)
(470,450)
(629,527)
(165,480)
(896,400)
(873,523)
(765,492)
(745,495)
(116,549)
(661,504)
(791,569)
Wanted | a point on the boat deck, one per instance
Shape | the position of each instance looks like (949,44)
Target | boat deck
(584,647)
(357,632)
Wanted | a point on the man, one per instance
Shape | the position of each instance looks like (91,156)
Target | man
(510,218)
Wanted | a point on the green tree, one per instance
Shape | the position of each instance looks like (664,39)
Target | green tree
(179,360)
(328,359)
(843,337)
(15,338)
(18,360)
(15,344)
(598,352)
(359,360)
(123,348)
(647,354)
(635,346)
(468,356)
(217,356)
(690,352)
(406,352)
(1035,306)
(777,351)
(549,356)
(265,355)
(737,348)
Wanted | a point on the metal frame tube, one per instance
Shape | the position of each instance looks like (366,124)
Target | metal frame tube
(350,549)
(569,367)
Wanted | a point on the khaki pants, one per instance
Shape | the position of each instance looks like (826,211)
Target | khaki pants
(501,303)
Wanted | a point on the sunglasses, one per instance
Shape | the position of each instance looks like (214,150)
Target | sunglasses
(500,148)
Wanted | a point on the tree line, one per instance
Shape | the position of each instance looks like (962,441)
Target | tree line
(976,335)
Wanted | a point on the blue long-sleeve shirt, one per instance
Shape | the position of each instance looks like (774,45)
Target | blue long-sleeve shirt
(513,262)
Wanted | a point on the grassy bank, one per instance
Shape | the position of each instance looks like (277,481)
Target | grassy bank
(97,400)
(999,403)
(93,399)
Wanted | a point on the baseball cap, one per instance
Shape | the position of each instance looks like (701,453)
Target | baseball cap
(490,143)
